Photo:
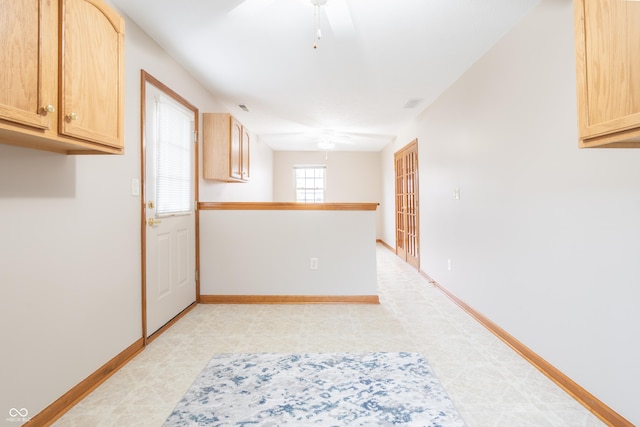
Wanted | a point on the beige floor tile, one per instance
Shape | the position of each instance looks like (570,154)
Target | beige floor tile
(490,384)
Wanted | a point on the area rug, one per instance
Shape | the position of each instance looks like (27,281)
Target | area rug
(325,389)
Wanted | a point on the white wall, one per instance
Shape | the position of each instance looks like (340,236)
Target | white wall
(262,252)
(69,271)
(545,237)
(351,176)
(70,246)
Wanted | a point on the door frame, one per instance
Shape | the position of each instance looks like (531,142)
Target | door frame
(145,78)
(409,255)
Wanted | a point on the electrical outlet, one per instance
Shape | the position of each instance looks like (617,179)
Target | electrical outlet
(313,263)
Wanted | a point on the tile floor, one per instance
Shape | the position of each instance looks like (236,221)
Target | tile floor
(489,383)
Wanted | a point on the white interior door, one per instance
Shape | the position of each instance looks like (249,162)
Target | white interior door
(170,207)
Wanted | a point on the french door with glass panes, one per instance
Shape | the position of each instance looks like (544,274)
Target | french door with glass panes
(407,218)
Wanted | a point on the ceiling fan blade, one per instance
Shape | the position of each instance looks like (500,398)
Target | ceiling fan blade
(247,7)
(347,138)
(339,17)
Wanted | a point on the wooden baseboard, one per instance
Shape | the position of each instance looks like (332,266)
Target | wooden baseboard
(386,245)
(289,299)
(51,413)
(170,323)
(589,401)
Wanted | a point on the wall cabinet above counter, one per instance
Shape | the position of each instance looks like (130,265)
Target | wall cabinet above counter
(62,85)
(226,145)
(607,39)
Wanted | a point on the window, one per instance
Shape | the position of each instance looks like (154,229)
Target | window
(174,144)
(310,183)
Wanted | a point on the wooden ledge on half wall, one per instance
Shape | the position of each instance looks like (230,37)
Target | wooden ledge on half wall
(289,206)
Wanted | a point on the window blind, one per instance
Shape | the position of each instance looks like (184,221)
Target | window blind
(174,145)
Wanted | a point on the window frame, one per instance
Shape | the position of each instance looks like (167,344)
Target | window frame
(306,189)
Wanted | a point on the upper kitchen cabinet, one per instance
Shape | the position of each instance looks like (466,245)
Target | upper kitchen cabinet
(28,59)
(607,39)
(62,86)
(226,144)
(92,79)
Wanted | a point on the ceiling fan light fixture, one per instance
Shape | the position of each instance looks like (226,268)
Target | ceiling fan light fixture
(326,145)
(318,34)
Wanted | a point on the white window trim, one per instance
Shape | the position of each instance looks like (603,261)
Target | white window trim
(323,188)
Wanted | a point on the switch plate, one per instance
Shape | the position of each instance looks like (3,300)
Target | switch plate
(449,264)
(313,263)
(135,187)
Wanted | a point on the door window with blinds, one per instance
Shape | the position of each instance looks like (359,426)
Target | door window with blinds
(310,183)
(174,134)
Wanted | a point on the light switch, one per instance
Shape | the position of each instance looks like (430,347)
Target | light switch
(135,187)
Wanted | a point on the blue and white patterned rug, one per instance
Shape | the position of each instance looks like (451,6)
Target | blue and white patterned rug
(330,389)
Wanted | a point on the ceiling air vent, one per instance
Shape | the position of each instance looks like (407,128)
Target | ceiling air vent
(412,103)
(243,107)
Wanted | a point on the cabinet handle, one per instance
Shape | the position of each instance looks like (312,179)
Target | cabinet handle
(48,109)
(72,116)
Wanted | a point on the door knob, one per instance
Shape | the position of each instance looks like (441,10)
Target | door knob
(153,222)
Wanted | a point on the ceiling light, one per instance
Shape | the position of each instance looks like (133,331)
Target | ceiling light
(326,145)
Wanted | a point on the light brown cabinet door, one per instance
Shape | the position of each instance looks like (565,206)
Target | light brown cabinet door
(608,71)
(92,80)
(225,154)
(23,92)
(246,143)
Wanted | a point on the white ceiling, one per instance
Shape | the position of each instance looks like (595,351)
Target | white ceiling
(374,56)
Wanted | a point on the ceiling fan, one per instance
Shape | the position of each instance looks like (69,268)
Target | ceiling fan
(327,139)
(337,13)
